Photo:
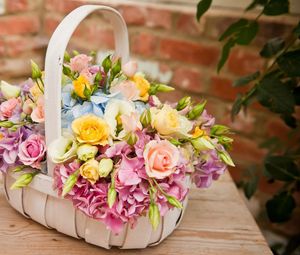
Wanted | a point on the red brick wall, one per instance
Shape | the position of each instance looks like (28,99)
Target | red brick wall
(172,40)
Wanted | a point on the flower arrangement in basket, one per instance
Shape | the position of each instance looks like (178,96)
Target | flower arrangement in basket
(123,154)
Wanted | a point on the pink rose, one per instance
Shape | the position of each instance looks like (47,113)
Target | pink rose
(38,113)
(161,158)
(128,89)
(32,151)
(130,68)
(80,62)
(8,107)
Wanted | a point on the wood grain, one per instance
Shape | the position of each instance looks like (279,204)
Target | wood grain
(216,222)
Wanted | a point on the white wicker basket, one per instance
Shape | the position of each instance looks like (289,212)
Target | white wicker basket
(39,201)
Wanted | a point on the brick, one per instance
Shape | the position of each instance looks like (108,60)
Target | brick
(276,127)
(50,24)
(18,45)
(188,24)
(64,7)
(25,24)
(188,79)
(189,52)
(144,44)
(102,37)
(247,149)
(133,15)
(159,18)
(172,97)
(243,61)
(17,5)
(2,47)
(222,87)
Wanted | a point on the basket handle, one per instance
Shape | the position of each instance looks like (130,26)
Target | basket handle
(55,57)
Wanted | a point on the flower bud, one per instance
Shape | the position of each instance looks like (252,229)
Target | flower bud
(146,118)
(23,181)
(70,182)
(225,157)
(9,91)
(183,103)
(173,201)
(131,138)
(111,196)
(196,111)
(155,88)
(219,130)
(106,165)
(36,72)
(28,106)
(6,124)
(86,152)
(202,143)
(106,63)
(18,169)
(154,215)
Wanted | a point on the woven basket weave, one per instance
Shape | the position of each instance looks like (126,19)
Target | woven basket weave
(39,201)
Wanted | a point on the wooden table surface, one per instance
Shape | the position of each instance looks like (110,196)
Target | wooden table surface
(216,222)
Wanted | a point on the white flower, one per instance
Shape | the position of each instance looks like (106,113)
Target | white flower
(113,112)
(9,91)
(62,149)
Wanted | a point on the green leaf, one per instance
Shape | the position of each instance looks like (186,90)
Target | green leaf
(255,3)
(233,28)
(274,95)
(296,93)
(289,120)
(281,168)
(202,7)
(247,33)
(276,7)
(272,47)
(246,79)
(106,63)
(225,54)
(250,186)
(280,207)
(296,30)
(237,106)
(289,62)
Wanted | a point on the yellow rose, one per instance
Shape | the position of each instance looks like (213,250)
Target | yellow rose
(143,86)
(168,121)
(91,129)
(89,170)
(80,85)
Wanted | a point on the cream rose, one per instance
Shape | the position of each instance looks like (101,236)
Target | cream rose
(161,158)
(168,121)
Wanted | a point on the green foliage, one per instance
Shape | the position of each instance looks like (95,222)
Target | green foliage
(280,207)
(241,32)
(246,79)
(256,3)
(272,47)
(202,7)
(289,63)
(276,7)
(249,182)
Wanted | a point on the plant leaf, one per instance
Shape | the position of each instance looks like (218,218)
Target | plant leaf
(233,28)
(202,7)
(280,207)
(274,95)
(272,47)
(297,30)
(247,33)
(237,106)
(250,186)
(225,53)
(276,7)
(281,168)
(246,79)
(289,62)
